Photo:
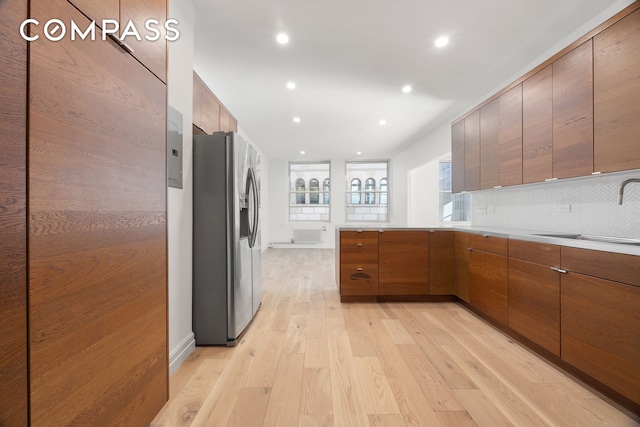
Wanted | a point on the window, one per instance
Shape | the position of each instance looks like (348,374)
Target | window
(370,196)
(304,200)
(453,207)
(355,191)
(314,188)
(325,191)
(373,207)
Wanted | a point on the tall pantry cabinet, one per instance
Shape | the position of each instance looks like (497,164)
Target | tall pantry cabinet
(95,277)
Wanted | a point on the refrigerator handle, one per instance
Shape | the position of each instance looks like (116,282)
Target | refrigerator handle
(253,230)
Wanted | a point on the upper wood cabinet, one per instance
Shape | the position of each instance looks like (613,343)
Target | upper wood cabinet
(489,148)
(472,152)
(510,137)
(152,54)
(537,127)
(13,216)
(457,157)
(208,112)
(617,96)
(573,113)
(403,258)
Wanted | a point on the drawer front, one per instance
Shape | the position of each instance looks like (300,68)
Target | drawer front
(606,265)
(358,247)
(487,243)
(359,280)
(538,253)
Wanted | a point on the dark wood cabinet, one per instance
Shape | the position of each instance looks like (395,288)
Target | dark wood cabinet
(537,127)
(13,216)
(573,113)
(488,283)
(534,293)
(97,251)
(489,148)
(441,263)
(472,152)
(510,137)
(461,263)
(98,10)
(403,258)
(209,115)
(617,96)
(357,265)
(457,157)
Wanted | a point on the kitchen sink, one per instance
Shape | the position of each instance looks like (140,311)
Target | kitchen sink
(603,239)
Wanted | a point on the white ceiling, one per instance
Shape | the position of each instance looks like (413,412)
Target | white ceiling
(350,59)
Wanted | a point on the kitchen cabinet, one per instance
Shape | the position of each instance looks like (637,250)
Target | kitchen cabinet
(537,129)
(13,216)
(510,137)
(357,263)
(472,152)
(600,317)
(573,113)
(208,112)
(152,54)
(488,280)
(441,263)
(97,247)
(461,264)
(403,258)
(617,96)
(534,293)
(457,157)
(489,148)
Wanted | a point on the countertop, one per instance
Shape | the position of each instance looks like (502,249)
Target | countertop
(529,235)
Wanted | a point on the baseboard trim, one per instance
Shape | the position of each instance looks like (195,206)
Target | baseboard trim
(180,353)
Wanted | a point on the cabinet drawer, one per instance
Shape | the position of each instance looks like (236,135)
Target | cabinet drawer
(606,265)
(488,243)
(359,247)
(538,253)
(359,280)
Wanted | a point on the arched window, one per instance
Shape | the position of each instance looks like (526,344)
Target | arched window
(325,189)
(370,195)
(356,186)
(300,188)
(383,191)
(314,188)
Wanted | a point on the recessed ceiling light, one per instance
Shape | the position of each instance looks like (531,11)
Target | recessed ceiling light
(358,153)
(296,119)
(302,152)
(407,89)
(291,85)
(282,38)
(442,41)
(382,122)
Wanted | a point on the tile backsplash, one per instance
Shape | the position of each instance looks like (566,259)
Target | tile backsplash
(584,205)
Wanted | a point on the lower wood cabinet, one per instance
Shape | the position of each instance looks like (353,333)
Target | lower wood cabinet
(441,263)
(358,263)
(461,265)
(403,263)
(488,287)
(534,293)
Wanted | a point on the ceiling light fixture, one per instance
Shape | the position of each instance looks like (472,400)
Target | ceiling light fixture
(382,122)
(407,89)
(296,119)
(359,153)
(302,152)
(282,38)
(291,85)
(442,41)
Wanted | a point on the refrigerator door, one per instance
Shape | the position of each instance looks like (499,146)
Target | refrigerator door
(256,250)
(241,293)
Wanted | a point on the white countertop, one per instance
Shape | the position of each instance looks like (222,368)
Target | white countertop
(529,235)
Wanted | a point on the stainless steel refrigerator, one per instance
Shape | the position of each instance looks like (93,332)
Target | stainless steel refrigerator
(226,237)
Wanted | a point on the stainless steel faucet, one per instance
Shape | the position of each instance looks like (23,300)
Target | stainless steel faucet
(624,184)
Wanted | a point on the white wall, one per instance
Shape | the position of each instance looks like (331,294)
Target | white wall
(180,223)
(423,194)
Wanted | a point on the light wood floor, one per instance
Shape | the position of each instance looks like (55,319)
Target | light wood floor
(308,360)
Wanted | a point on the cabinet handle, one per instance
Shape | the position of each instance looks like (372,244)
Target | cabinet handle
(359,268)
(469,249)
(559,270)
(358,231)
(121,44)
(485,235)
(358,244)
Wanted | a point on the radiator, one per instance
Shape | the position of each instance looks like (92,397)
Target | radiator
(307,236)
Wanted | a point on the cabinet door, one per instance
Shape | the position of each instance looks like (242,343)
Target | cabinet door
(534,303)
(573,113)
(358,263)
(224,120)
(441,255)
(510,137)
(97,251)
(13,216)
(472,152)
(461,276)
(488,286)
(600,324)
(210,112)
(98,10)
(537,127)
(197,102)
(457,157)
(403,258)
(489,154)
(617,96)
(153,54)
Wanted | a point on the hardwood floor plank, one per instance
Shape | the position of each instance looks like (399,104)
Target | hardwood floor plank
(482,409)
(316,353)
(295,338)
(263,370)
(458,419)
(361,345)
(316,392)
(250,407)
(377,394)
(398,333)
(316,421)
(386,420)
(284,403)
